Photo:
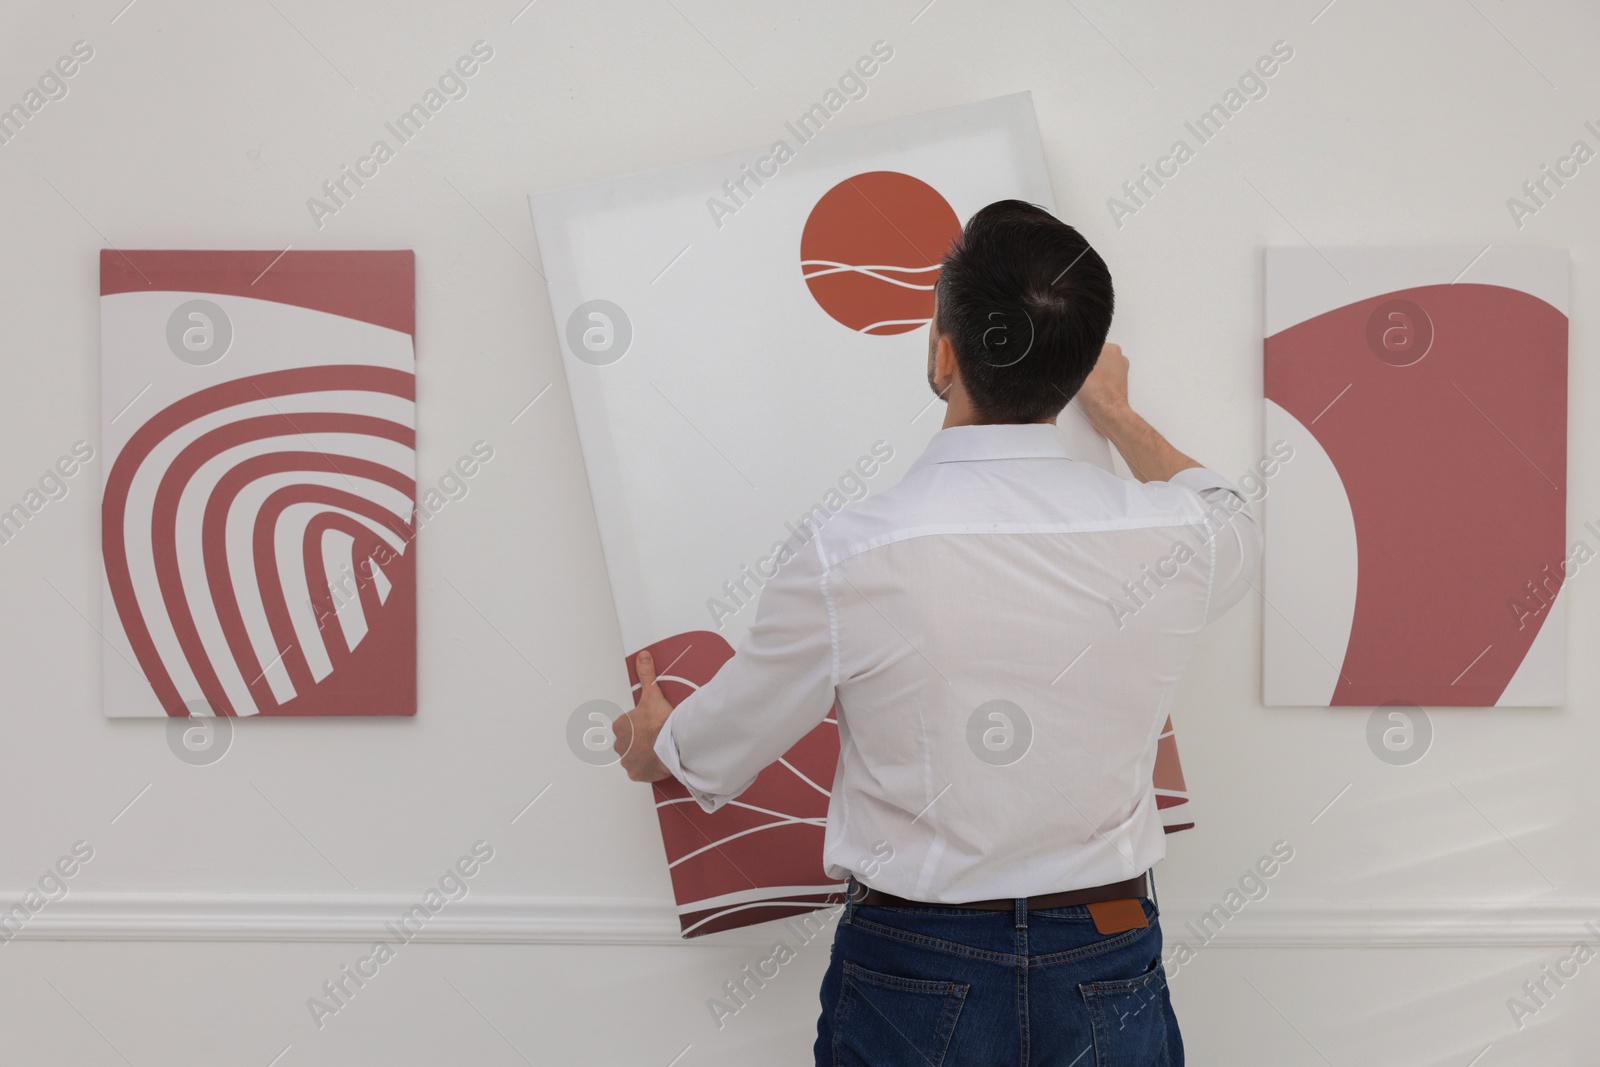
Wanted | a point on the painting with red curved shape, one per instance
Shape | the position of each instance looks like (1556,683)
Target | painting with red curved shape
(1416,535)
(759,857)
(259,503)
(744,359)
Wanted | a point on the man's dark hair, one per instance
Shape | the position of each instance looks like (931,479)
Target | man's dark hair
(1026,304)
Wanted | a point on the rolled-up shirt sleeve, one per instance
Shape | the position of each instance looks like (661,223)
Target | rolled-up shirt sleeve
(1234,535)
(777,687)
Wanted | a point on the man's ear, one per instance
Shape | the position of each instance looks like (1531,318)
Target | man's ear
(946,371)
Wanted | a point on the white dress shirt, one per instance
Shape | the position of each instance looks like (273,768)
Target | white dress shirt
(997,570)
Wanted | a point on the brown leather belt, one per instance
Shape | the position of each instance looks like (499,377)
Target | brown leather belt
(1133,888)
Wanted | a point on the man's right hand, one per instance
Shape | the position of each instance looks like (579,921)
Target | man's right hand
(1104,401)
(1105,392)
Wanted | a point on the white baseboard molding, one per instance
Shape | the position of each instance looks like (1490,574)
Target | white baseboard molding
(353,917)
(1456,924)
(483,919)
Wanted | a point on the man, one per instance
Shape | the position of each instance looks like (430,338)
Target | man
(1004,632)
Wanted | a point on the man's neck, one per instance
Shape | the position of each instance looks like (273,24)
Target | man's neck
(965,416)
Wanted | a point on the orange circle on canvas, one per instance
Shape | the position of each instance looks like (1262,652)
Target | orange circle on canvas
(871,249)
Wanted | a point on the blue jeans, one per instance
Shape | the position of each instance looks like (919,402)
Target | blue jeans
(949,987)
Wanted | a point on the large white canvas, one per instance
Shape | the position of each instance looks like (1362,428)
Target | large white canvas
(739,407)
(740,403)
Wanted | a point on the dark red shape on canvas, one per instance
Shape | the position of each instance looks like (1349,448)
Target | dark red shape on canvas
(1443,408)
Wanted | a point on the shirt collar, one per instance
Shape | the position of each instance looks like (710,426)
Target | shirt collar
(961,444)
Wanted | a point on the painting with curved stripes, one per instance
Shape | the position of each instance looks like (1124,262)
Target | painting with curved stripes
(1416,544)
(258,516)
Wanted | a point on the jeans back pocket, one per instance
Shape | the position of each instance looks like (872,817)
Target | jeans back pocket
(1129,1019)
(884,1021)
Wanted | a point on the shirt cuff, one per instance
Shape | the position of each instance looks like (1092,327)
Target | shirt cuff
(666,750)
(1199,479)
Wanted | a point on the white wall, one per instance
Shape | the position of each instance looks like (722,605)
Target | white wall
(216,903)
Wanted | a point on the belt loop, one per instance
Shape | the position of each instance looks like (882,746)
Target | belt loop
(851,889)
(1150,883)
(1022,913)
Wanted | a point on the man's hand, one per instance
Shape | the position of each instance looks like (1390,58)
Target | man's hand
(1104,395)
(636,731)
(1104,401)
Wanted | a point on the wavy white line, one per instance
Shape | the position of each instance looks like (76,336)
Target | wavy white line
(870,270)
(894,322)
(731,837)
(796,771)
(818,821)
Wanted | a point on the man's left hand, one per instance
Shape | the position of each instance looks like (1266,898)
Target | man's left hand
(636,731)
